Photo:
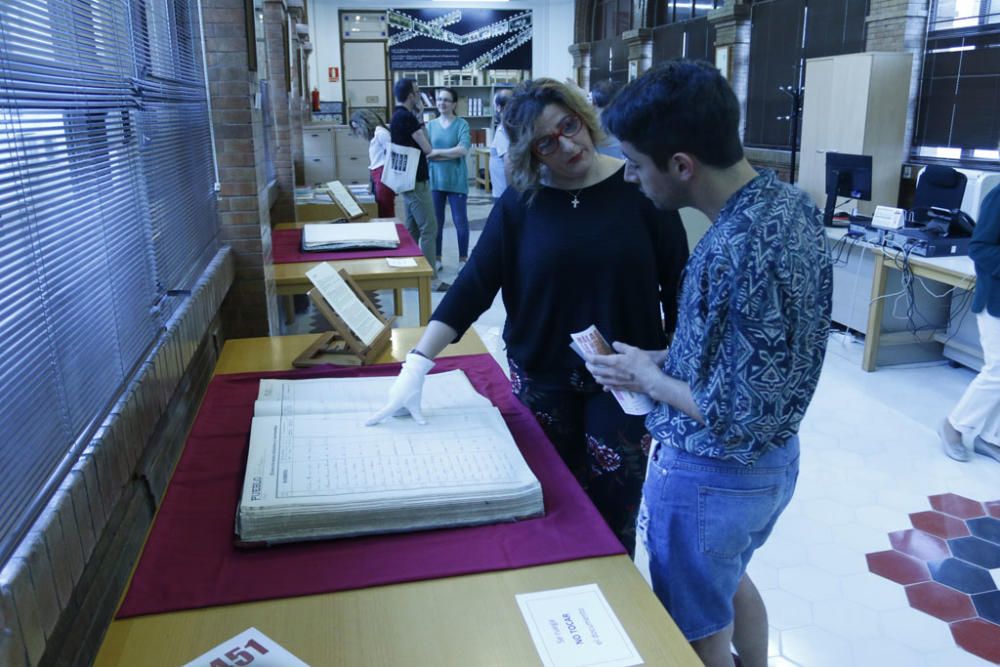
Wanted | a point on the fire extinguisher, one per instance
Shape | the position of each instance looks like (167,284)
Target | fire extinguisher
(315,99)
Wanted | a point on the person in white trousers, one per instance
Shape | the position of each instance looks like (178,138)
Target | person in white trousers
(974,424)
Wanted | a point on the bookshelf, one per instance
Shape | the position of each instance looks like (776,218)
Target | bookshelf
(475,94)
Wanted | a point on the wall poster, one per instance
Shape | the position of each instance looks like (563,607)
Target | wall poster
(465,39)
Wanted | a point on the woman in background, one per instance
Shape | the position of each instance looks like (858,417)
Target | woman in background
(570,244)
(499,146)
(368,125)
(449,136)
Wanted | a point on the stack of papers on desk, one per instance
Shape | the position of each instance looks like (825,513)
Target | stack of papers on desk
(349,236)
(314,470)
(361,193)
(311,196)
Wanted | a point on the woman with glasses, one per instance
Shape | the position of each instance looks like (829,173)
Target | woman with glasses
(368,125)
(449,137)
(570,244)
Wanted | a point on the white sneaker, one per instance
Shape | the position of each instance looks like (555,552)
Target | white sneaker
(952,443)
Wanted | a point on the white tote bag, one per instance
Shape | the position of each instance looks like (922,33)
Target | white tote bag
(400,171)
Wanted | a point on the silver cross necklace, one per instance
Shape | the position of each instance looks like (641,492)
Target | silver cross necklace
(576,197)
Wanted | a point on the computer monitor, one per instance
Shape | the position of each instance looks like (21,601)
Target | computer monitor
(847,175)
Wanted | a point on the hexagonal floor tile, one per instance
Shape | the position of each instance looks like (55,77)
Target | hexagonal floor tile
(987,528)
(988,606)
(942,525)
(957,506)
(898,567)
(976,551)
(978,637)
(961,576)
(940,601)
(919,544)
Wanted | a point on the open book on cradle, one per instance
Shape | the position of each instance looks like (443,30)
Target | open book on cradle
(314,470)
(349,236)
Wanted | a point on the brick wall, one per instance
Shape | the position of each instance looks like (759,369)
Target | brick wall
(251,308)
(277,26)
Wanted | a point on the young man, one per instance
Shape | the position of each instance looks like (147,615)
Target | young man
(406,129)
(752,328)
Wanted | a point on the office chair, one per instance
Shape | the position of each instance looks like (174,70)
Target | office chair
(941,187)
(938,200)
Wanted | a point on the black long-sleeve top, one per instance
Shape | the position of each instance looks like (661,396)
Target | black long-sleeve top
(612,261)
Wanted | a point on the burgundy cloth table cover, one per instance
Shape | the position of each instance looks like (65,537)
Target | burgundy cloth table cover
(286,247)
(190,560)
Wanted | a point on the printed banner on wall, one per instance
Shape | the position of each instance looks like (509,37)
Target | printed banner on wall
(423,39)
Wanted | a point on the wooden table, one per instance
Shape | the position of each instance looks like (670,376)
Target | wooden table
(369,274)
(956,271)
(483,163)
(329,211)
(460,621)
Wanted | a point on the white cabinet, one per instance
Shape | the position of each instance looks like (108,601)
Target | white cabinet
(333,153)
(855,103)
(318,149)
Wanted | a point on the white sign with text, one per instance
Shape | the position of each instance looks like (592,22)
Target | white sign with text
(250,647)
(576,627)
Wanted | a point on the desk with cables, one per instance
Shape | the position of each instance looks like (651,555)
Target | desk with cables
(900,278)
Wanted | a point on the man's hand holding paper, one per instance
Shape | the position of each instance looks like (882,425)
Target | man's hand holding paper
(593,346)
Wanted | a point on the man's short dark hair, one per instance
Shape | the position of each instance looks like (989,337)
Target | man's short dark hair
(602,92)
(403,89)
(679,106)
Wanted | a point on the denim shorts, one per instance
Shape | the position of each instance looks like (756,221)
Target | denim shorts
(701,519)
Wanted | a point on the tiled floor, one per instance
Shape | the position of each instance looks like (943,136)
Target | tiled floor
(870,460)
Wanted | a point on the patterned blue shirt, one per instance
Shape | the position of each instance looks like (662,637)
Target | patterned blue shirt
(752,325)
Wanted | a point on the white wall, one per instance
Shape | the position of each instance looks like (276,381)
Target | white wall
(551,38)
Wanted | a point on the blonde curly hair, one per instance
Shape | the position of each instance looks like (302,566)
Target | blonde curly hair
(519,118)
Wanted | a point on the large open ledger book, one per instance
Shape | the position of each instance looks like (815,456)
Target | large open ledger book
(314,470)
(349,236)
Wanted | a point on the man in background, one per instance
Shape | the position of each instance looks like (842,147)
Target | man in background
(753,320)
(407,129)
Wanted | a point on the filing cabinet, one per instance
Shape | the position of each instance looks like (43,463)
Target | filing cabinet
(351,157)
(332,152)
(318,149)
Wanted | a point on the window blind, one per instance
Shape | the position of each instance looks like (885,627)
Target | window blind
(100,219)
(960,86)
(783,33)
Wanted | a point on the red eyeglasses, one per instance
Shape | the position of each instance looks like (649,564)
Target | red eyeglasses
(548,144)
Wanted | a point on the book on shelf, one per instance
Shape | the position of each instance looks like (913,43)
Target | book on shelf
(349,236)
(315,471)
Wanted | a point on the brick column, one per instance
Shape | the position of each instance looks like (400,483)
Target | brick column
(900,25)
(581,63)
(280,68)
(250,308)
(732,31)
(299,107)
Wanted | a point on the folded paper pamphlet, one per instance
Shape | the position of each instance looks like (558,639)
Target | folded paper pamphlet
(591,341)
(349,236)
(314,470)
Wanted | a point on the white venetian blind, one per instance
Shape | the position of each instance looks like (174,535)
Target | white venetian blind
(96,226)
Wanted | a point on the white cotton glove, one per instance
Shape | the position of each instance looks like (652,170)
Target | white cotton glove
(406,392)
